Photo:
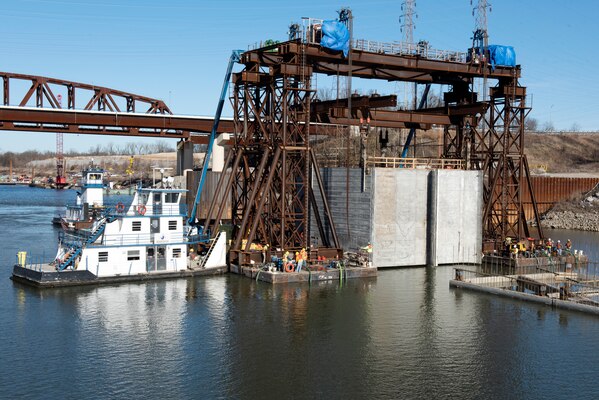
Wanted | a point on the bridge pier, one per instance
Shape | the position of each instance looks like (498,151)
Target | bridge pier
(184,156)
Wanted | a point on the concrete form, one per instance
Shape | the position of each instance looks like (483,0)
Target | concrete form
(547,300)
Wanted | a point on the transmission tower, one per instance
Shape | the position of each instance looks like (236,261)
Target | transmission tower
(408,8)
(406,19)
(480,40)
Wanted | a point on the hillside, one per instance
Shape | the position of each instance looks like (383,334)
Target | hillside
(563,152)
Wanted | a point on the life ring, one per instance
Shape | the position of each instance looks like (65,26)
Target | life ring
(289,267)
(141,209)
(120,207)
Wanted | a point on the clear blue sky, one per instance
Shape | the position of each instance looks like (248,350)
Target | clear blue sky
(178,50)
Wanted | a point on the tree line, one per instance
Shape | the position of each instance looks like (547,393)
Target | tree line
(109,149)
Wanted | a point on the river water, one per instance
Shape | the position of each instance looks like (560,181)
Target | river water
(405,334)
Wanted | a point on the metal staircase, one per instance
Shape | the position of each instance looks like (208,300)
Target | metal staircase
(212,245)
(78,246)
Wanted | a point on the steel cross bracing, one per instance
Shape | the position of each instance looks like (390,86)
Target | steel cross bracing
(496,148)
(272,162)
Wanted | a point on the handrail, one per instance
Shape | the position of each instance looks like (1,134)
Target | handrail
(415,163)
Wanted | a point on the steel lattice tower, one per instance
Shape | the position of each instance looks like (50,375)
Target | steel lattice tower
(408,7)
(406,19)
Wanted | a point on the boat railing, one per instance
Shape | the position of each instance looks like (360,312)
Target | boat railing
(157,210)
(32,261)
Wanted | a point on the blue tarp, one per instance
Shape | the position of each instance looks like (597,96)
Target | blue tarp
(335,36)
(502,55)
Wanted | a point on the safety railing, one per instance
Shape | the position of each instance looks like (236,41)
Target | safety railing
(415,163)
(32,261)
(312,33)
(126,239)
(165,209)
(409,49)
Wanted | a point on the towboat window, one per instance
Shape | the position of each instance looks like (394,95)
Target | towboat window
(172,225)
(103,256)
(177,253)
(94,177)
(136,226)
(156,197)
(133,255)
(171,197)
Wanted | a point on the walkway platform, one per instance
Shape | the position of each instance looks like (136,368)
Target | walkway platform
(531,265)
(329,274)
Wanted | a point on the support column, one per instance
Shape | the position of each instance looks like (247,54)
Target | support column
(184,156)
(431,229)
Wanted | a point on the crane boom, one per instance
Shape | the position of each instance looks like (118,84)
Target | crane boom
(219,109)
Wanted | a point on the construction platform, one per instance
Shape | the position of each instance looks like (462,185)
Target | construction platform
(306,276)
(48,277)
(531,265)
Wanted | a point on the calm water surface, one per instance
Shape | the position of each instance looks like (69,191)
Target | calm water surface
(404,335)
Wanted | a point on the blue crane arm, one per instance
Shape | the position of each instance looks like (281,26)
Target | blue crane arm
(406,146)
(219,109)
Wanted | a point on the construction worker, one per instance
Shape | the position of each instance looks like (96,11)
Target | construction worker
(549,245)
(514,251)
(558,248)
(303,259)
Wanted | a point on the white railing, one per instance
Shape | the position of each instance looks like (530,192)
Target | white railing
(415,163)
(408,49)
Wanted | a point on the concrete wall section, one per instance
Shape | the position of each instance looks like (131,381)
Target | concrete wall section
(399,223)
(458,227)
(359,219)
(412,217)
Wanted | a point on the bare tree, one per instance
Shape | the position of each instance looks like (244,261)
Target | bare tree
(548,127)
(531,125)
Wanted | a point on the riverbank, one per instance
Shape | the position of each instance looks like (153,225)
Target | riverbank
(580,215)
(582,220)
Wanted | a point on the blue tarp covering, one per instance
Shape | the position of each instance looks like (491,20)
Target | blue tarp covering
(335,36)
(502,55)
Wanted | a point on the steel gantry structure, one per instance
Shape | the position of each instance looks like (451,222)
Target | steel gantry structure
(273,164)
(275,115)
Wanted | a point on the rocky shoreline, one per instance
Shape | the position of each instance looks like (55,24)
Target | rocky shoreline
(583,220)
(581,215)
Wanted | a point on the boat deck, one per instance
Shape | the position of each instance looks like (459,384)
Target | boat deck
(47,276)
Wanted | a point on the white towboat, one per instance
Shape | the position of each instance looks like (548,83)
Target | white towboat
(148,239)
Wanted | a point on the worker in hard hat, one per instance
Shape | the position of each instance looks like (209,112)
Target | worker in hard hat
(558,248)
(569,246)
(303,257)
(514,251)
